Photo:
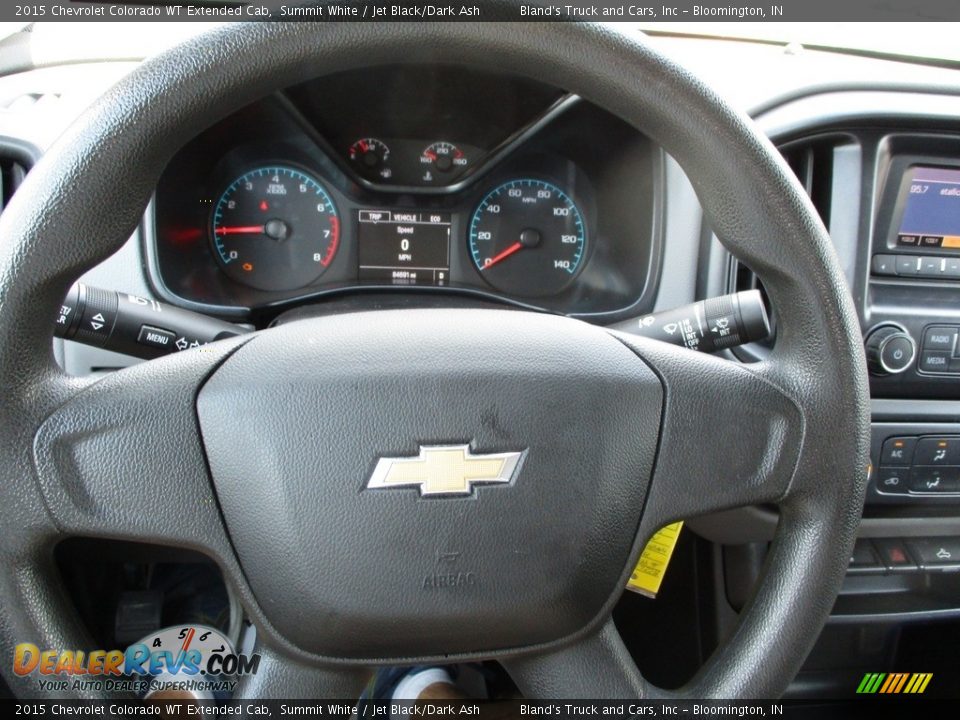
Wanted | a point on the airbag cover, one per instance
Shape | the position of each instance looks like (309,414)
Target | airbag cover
(294,424)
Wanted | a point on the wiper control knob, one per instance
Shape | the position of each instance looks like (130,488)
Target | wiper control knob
(708,325)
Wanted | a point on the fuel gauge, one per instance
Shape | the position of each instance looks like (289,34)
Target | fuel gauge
(372,156)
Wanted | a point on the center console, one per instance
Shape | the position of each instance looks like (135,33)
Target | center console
(913,305)
(912,316)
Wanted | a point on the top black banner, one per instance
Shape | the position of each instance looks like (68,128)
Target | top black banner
(351,709)
(485,10)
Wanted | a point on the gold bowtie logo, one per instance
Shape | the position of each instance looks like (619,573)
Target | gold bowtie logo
(444,470)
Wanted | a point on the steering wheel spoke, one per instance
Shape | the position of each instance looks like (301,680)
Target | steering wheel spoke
(281,676)
(122,457)
(729,437)
(597,666)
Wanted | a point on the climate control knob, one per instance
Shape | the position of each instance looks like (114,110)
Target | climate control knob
(890,350)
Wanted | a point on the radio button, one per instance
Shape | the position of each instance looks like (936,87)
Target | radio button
(937,451)
(940,338)
(908,265)
(930,241)
(935,361)
(932,266)
(887,264)
(897,451)
(953,268)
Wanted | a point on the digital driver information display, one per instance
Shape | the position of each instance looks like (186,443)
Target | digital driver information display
(404,248)
(931,212)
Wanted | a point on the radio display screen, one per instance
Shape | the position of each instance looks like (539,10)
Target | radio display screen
(931,210)
(403,248)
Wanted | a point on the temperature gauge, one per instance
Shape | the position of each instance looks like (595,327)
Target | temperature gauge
(442,157)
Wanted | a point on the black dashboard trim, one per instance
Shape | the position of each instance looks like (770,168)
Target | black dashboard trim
(473,175)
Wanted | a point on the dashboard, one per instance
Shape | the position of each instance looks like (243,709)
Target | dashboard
(504,189)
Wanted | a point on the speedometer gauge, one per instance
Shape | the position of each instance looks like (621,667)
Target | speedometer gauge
(275,228)
(527,237)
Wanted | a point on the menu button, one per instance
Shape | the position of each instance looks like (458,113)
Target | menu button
(155,337)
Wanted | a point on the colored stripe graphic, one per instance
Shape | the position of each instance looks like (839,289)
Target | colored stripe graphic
(894,683)
(918,683)
(892,680)
(903,679)
(870,683)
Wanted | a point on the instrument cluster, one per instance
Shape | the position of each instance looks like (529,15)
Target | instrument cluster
(409,162)
(553,207)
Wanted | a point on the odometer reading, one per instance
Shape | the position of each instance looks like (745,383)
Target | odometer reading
(403,248)
(527,237)
(275,228)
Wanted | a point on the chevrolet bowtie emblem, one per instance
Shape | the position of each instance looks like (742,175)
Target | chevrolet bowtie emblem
(444,470)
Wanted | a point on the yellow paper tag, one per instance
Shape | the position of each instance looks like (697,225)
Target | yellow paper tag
(653,562)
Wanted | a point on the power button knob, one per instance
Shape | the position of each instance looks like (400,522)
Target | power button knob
(890,350)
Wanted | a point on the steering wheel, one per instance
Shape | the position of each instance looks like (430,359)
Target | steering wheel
(258,451)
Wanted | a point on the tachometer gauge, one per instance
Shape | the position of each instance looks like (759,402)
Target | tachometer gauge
(527,237)
(275,228)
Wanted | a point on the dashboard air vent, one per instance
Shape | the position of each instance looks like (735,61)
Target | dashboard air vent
(12,173)
(812,161)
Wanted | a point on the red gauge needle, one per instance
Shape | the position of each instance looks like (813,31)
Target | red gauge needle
(503,255)
(187,640)
(242,230)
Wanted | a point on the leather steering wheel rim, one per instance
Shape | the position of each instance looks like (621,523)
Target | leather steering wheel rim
(803,414)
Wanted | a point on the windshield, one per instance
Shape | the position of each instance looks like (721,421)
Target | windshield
(883,38)
(56,42)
